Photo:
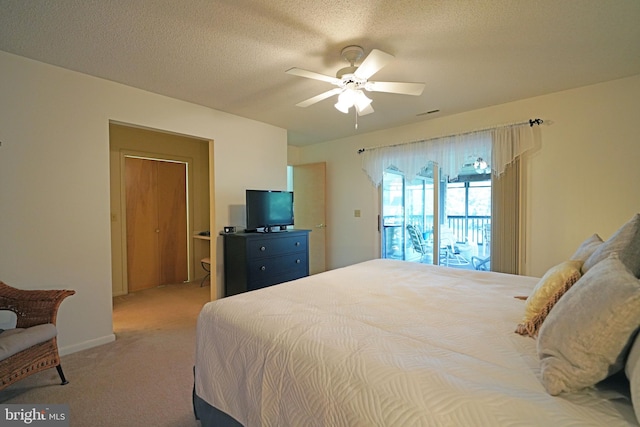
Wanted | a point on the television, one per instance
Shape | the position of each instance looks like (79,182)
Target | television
(269,210)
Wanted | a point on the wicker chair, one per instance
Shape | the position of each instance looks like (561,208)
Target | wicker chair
(32,307)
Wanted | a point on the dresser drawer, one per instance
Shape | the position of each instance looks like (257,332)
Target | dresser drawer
(266,268)
(276,246)
(284,277)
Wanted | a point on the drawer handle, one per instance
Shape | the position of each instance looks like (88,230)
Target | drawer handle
(263,268)
(297,243)
(297,261)
(262,248)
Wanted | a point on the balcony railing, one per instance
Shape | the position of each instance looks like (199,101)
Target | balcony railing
(473,228)
(397,244)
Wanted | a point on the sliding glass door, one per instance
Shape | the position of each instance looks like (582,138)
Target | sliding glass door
(407,205)
(455,218)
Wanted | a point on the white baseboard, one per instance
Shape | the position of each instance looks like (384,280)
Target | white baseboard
(86,344)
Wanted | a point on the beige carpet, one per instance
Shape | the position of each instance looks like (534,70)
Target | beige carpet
(144,378)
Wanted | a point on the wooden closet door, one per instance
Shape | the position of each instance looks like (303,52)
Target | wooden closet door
(156,223)
(143,262)
(172,222)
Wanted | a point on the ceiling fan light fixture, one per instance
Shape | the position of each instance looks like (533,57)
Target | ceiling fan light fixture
(350,98)
(342,107)
(346,100)
(347,97)
(480,165)
(361,101)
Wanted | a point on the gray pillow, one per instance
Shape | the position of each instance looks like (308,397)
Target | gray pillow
(584,338)
(626,242)
(632,369)
(587,248)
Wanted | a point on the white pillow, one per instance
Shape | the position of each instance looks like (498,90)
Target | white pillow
(587,248)
(584,338)
(632,369)
(626,242)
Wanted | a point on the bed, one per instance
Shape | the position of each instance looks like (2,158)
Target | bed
(386,343)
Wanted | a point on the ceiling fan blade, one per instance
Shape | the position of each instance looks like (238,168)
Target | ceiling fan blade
(403,88)
(313,75)
(319,98)
(367,110)
(373,63)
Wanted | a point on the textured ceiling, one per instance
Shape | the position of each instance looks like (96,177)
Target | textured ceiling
(232,55)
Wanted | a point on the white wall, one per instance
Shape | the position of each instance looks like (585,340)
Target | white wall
(54,180)
(582,180)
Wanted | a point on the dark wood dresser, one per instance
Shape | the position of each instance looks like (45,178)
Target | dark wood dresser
(256,260)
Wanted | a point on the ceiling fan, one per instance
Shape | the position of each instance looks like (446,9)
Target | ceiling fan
(352,81)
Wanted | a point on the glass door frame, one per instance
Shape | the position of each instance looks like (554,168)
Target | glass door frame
(393,227)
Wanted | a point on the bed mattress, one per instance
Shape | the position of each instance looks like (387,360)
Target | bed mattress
(386,343)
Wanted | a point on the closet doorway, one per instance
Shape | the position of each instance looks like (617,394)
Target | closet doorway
(191,157)
(156,218)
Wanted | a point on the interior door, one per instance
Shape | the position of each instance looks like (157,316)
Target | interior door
(143,264)
(155,194)
(309,193)
(172,222)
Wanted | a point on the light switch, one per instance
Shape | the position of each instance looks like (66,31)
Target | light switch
(356,213)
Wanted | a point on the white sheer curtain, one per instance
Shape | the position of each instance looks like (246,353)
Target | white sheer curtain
(500,144)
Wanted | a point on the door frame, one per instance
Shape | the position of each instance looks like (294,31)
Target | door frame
(317,264)
(126,138)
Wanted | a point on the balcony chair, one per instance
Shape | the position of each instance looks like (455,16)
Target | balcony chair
(418,242)
(484,263)
(31,346)
(449,249)
(481,263)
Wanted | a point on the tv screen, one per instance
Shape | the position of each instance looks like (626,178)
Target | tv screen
(268,208)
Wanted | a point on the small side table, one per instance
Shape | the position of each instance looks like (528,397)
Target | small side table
(206,265)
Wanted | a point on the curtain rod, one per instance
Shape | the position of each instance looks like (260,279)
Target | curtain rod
(531,122)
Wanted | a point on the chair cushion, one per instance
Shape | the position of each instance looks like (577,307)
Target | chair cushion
(15,340)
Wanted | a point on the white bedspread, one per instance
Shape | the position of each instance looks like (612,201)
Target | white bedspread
(385,343)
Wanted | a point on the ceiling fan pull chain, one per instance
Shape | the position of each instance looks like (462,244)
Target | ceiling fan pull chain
(355,110)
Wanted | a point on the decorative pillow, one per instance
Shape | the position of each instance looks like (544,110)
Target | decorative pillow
(626,242)
(585,337)
(587,248)
(555,282)
(632,369)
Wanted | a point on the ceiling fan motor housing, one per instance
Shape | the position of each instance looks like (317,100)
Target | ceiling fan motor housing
(351,54)
(346,72)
